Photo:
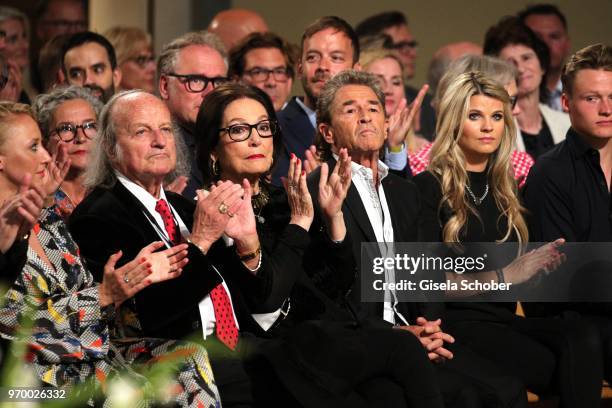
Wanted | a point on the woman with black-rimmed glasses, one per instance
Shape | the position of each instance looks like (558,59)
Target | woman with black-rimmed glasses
(321,353)
(68,117)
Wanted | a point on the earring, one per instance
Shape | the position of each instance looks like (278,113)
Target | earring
(216,171)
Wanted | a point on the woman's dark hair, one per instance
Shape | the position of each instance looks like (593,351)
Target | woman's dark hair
(511,31)
(210,117)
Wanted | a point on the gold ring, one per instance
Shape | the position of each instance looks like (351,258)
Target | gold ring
(223,208)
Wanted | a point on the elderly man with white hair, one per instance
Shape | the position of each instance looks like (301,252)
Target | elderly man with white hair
(135,150)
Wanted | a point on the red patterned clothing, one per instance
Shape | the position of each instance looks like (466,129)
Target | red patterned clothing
(70,339)
(521,163)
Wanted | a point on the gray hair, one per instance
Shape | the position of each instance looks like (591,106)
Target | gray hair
(496,69)
(45,105)
(100,171)
(169,54)
(11,13)
(344,78)
(328,93)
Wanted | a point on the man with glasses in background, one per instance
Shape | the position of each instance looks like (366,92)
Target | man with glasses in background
(189,67)
(395,25)
(266,61)
(55,17)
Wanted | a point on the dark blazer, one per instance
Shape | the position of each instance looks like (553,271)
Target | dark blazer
(196,180)
(112,219)
(404,204)
(298,135)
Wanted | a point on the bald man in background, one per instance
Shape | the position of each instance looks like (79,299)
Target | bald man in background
(232,25)
(444,56)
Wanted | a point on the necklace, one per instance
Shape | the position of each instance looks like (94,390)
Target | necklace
(259,201)
(477,200)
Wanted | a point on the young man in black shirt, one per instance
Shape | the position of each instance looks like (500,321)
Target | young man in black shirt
(568,190)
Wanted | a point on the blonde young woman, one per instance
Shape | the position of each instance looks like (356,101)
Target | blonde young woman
(500,71)
(469,195)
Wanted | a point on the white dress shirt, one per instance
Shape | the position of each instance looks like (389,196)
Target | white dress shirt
(207,311)
(375,204)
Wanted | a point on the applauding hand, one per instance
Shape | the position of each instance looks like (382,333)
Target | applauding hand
(403,118)
(332,192)
(300,202)
(19,213)
(58,168)
(213,211)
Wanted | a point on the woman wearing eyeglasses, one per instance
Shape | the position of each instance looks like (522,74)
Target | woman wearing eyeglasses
(68,117)
(134,57)
(321,354)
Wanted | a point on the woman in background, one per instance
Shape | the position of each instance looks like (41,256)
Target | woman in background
(134,57)
(68,116)
(351,364)
(540,126)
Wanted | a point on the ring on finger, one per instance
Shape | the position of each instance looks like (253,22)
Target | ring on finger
(126,279)
(223,208)
(229,213)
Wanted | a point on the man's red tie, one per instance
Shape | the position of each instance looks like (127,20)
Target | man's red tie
(226,329)
(171,228)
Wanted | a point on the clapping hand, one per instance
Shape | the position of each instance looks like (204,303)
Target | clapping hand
(120,284)
(311,161)
(544,259)
(300,201)
(20,213)
(403,118)
(213,211)
(58,168)
(166,264)
(241,225)
(332,192)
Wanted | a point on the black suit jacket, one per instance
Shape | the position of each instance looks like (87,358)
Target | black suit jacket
(298,134)
(112,219)
(404,204)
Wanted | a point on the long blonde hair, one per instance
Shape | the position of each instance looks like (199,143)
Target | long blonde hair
(448,161)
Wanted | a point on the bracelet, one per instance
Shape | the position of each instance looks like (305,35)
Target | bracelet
(258,263)
(397,149)
(248,256)
(500,275)
(197,246)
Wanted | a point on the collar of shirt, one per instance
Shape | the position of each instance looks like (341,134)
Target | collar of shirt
(376,207)
(366,172)
(312,115)
(578,147)
(149,202)
(205,306)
